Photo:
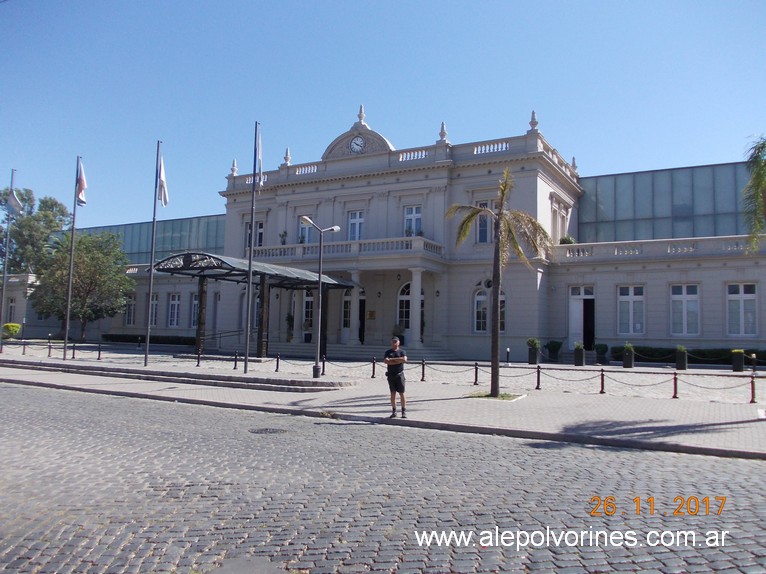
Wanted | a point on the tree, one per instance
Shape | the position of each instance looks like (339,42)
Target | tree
(513,230)
(754,194)
(31,230)
(99,285)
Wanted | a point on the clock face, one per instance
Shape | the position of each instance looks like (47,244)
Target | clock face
(357,144)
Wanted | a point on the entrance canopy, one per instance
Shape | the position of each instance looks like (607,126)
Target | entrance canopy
(220,268)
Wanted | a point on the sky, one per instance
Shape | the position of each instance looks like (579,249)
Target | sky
(622,86)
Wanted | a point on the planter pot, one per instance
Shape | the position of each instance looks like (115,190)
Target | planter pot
(532,356)
(628,358)
(553,356)
(579,357)
(682,360)
(738,362)
(306,337)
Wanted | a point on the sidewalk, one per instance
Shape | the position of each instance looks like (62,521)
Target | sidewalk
(713,414)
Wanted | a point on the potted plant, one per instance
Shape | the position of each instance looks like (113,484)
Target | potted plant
(283,237)
(579,354)
(682,358)
(628,356)
(398,331)
(601,351)
(290,320)
(738,360)
(307,331)
(553,348)
(534,350)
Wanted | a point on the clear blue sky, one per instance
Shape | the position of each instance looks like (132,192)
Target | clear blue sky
(623,86)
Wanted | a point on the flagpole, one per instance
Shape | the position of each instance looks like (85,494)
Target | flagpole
(249,287)
(71,258)
(5,264)
(151,257)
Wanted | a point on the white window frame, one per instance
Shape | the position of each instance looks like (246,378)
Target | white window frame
(154,309)
(745,306)
(355,225)
(130,310)
(687,300)
(481,304)
(194,311)
(413,219)
(635,303)
(304,229)
(484,231)
(174,309)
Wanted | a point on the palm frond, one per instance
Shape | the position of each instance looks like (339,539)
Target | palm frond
(470,214)
(522,233)
(754,194)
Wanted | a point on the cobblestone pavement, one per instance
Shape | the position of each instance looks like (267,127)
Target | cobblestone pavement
(100,484)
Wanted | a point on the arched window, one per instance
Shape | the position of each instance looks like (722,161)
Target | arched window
(404,307)
(481,311)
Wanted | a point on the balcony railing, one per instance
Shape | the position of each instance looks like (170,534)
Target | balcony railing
(651,249)
(397,245)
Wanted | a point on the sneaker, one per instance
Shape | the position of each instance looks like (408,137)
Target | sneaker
(404,415)
(393,415)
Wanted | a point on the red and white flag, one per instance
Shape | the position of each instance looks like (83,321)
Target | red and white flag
(81,184)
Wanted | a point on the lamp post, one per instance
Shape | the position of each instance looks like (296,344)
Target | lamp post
(307,220)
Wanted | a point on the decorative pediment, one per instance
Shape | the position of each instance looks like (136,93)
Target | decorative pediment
(360,140)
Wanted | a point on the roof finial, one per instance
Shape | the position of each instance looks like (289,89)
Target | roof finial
(533,121)
(361,113)
(574,163)
(443,133)
(287,156)
(234,167)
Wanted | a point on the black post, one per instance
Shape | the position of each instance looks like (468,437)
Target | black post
(423,370)
(277,369)
(602,383)
(537,388)
(236,358)
(99,351)
(476,373)
(373,368)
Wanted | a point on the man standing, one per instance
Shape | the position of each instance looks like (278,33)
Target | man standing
(395,358)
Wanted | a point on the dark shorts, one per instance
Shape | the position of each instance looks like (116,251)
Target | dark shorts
(396,382)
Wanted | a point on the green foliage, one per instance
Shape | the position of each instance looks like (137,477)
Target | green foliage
(553,346)
(533,343)
(754,194)
(601,348)
(99,283)
(31,231)
(567,240)
(695,356)
(10,330)
(155,339)
(579,345)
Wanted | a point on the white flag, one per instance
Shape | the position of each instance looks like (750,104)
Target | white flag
(14,205)
(162,189)
(81,184)
(260,163)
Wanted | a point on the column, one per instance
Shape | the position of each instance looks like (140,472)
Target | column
(416,286)
(353,336)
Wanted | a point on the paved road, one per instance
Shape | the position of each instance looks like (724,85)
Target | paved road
(99,484)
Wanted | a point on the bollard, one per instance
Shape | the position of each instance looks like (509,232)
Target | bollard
(508,356)
(24,348)
(754,357)
(73,346)
(752,389)
(236,358)
(537,388)
(277,369)
(675,385)
(324,360)
(373,368)
(602,391)
(423,371)
(138,344)
(99,352)
(476,373)
(198,357)
(50,348)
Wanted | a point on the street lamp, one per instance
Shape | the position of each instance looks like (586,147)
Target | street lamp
(307,220)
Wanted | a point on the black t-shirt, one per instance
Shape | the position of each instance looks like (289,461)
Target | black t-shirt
(395,369)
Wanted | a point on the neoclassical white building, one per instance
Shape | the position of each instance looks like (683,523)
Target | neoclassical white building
(659,256)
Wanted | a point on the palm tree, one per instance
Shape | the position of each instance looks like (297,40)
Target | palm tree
(513,230)
(754,194)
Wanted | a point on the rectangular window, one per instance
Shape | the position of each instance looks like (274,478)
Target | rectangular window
(355,225)
(480,312)
(258,235)
(194,309)
(741,310)
(484,224)
(630,310)
(304,231)
(684,310)
(153,313)
(174,309)
(130,309)
(412,220)
(11,309)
